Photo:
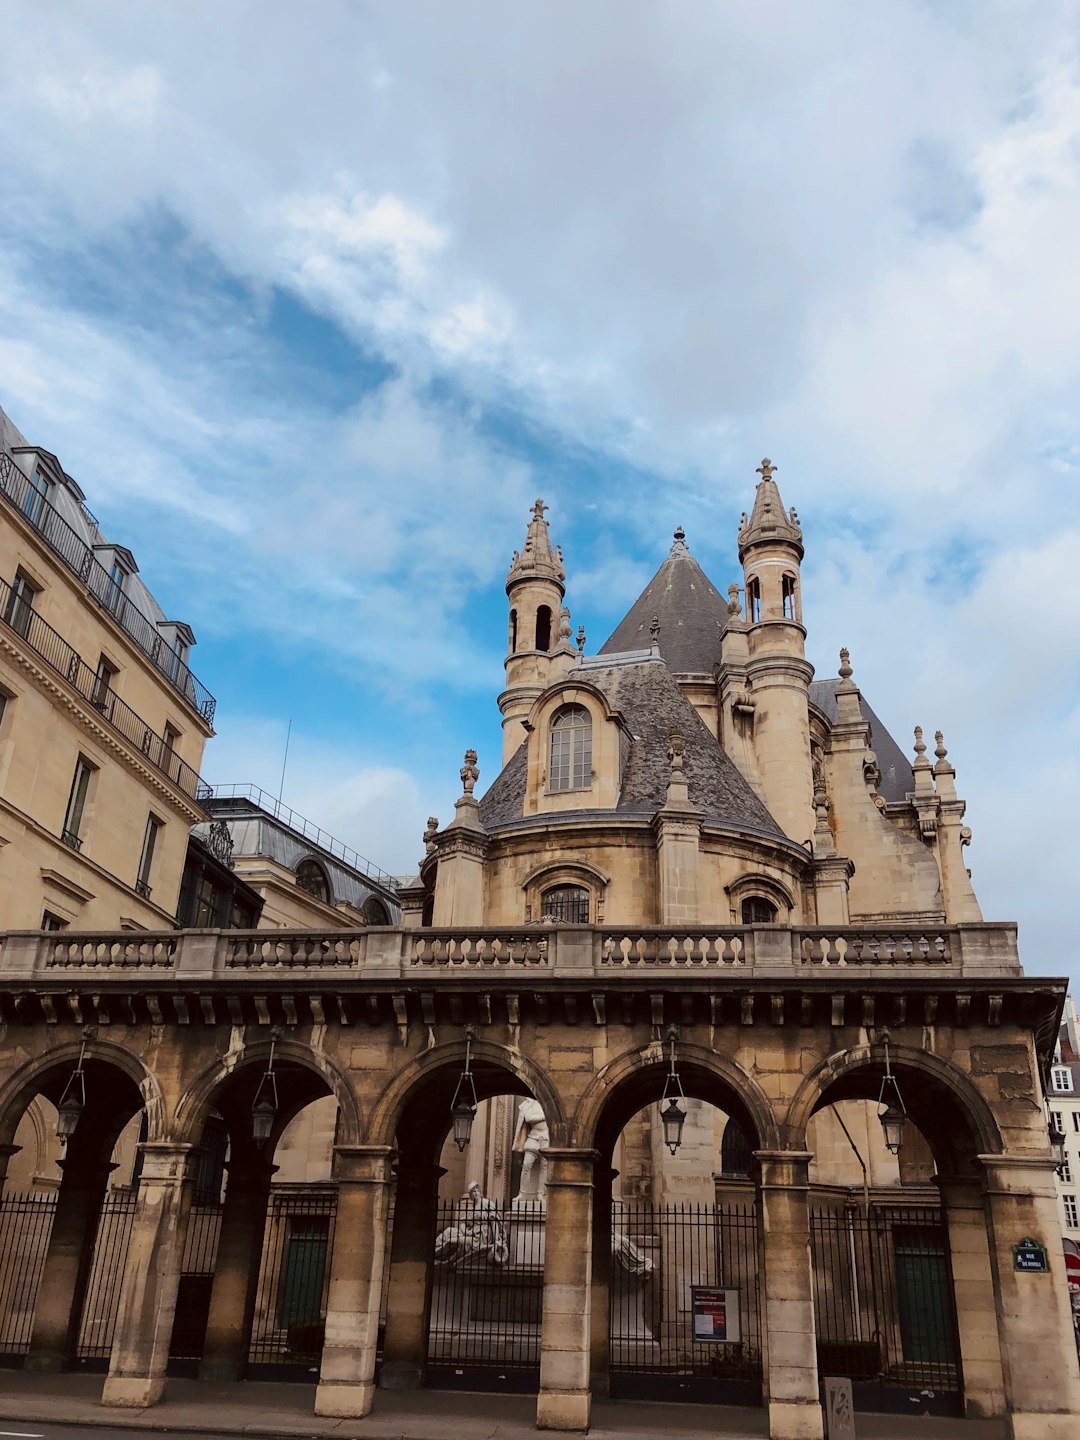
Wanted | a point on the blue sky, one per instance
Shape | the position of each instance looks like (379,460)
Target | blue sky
(313,306)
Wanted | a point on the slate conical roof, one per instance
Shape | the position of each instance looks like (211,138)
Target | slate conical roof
(690,611)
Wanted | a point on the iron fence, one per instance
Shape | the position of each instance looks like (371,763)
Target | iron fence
(883,1306)
(68,663)
(194,1290)
(97,1325)
(487,1297)
(26,1222)
(294,1274)
(675,1271)
(79,558)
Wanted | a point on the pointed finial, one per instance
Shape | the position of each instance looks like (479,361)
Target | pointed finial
(767,469)
(845,672)
(654,628)
(939,748)
(564,623)
(581,639)
(734,608)
(469,773)
(920,743)
(676,748)
(430,833)
(680,533)
(538,510)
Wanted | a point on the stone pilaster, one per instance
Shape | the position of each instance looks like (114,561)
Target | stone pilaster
(347,1377)
(459,881)
(405,1341)
(1038,1351)
(236,1269)
(786,1289)
(155,1254)
(964,1213)
(564,1399)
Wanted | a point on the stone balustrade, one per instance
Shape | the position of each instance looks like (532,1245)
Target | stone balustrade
(748,952)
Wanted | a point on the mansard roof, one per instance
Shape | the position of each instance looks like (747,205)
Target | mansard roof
(897,776)
(652,705)
(689,609)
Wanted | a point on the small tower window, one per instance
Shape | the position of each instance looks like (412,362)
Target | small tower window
(788,584)
(756,910)
(569,903)
(543,628)
(513,632)
(753,601)
(571,749)
(311,877)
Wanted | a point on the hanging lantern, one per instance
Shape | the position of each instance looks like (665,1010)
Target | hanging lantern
(891,1111)
(463,1105)
(72,1101)
(672,1115)
(264,1108)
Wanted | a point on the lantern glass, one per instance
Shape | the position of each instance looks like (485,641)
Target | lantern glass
(893,1121)
(67,1116)
(262,1120)
(463,1115)
(673,1118)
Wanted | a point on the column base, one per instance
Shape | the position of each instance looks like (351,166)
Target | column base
(132,1392)
(788,1421)
(563,1410)
(400,1375)
(343,1400)
(1025,1425)
(221,1367)
(48,1363)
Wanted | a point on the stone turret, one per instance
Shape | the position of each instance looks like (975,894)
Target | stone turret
(538,649)
(777,671)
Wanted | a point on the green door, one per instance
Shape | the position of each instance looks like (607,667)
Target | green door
(923,1296)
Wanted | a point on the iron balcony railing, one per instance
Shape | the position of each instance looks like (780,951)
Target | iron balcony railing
(79,557)
(19,616)
(310,831)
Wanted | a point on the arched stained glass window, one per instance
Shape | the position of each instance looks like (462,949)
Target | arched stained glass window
(569,903)
(571,749)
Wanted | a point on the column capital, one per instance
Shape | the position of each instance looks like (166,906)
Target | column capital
(784,1169)
(363,1164)
(1019,1173)
(569,1168)
(164,1161)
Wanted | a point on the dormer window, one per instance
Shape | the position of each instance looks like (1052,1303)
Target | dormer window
(756,910)
(310,876)
(117,576)
(37,495)
(571,749)
(1061,1079)
(568,903)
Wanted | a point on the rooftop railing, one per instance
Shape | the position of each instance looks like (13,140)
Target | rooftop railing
(18,615)
(79,558)
(605,955)
(307,828)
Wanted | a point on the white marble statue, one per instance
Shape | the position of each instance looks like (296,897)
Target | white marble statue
(477,1232)
(532,1141)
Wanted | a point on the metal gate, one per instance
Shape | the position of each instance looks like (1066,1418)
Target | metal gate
(193,1293)
(884,1308)
(290,1302)
(684,1315)
(97,1325)
(487,1298)
(25,1226)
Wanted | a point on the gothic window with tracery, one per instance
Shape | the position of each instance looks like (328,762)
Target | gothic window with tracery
(571,749)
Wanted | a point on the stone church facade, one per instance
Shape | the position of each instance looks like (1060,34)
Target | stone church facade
(696,860)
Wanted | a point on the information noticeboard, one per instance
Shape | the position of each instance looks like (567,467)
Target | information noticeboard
(716,1315)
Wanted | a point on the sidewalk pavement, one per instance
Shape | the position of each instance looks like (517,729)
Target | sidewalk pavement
(261,1408)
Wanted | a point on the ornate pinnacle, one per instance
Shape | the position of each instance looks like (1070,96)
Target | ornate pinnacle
(767,469)
(734,608)
(676,749)
(654,628)
(538,510)
(430,833)
(564,624)
(845,672)
(939,748)
(920,743)
(469,773)
(581,639)
(679,545)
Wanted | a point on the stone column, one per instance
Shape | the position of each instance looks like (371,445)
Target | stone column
(964,1213)
(786,1296)
(564,1399)
(62,1290)
(155,1254)
(600,1364)
(236,1269)
(405,1341)
(1038,1352)
(347,1377)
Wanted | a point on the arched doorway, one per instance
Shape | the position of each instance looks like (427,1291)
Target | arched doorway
(70,1129)
(675,1238)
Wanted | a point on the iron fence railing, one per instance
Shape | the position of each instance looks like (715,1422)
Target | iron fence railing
(69,664)
(25,1227)
(101,1303)
(294,1276)
(79,558)
(307,828)
(194,1290)
(883,1305)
